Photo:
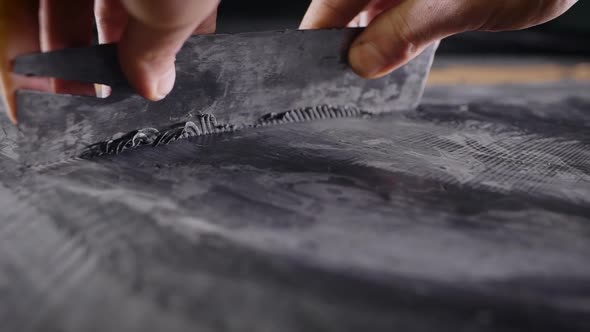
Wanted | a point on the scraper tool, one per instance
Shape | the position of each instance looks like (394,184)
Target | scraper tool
(223,82)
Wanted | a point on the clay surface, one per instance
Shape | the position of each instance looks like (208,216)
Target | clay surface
(471,213)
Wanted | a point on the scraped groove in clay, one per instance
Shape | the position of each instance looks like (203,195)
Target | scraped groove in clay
(311,114)
(206,124)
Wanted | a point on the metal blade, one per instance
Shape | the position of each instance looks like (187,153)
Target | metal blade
(237,79)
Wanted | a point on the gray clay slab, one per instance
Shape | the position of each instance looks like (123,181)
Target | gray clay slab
(471,213)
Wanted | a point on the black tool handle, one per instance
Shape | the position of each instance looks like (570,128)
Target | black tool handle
(95,64)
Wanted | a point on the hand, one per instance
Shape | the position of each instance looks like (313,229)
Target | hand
(398,30)
(149,32)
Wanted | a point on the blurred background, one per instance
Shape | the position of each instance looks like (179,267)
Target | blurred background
(570,34)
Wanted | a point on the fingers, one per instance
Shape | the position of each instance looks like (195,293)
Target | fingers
(332,13)
(209,25)
(19,34)
(401,29)
(66,23)
(154,34)
(111,19)
(376,7)
(404,30)
(512,15)
(360,21)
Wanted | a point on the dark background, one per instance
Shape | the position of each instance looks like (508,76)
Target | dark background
(570,34)
(577,20)
(255,15)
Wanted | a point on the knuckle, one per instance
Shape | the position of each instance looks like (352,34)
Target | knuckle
(107,20)
(332,6)
(208,26)
(513,15)
(109,14)
(402,33)
(170,14)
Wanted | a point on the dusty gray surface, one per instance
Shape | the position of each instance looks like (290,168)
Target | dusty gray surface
(470,214)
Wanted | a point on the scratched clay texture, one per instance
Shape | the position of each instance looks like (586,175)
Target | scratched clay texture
(471,213)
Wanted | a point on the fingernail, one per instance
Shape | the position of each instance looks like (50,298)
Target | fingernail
(102,91)
(366,60)
(166,83)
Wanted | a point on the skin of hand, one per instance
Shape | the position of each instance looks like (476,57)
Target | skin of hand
(149,33)
(398,30)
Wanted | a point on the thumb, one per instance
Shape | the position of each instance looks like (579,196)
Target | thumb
(154,34)
(405,30)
